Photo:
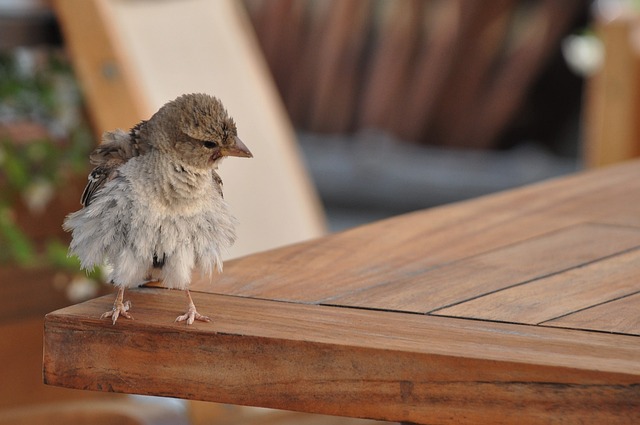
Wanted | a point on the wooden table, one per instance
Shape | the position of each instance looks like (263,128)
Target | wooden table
(520,307)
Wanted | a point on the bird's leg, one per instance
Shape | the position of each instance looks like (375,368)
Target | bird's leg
(191,313)
(119,307)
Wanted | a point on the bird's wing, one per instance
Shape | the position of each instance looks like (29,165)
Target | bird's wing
(117,147)
(98,177)
(217,182)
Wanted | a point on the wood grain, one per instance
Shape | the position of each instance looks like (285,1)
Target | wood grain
(456,282)
(575,289)
(21,370)
(618,315)
(319,359)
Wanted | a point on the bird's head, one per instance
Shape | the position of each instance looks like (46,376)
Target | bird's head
(197,130)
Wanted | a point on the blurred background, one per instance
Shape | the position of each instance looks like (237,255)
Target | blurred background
(405,105)
(357,109)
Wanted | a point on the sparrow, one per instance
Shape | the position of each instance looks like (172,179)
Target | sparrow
(153,207)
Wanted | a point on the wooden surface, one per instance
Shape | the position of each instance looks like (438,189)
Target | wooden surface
(522,306)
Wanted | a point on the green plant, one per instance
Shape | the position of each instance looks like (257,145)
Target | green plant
(44,142)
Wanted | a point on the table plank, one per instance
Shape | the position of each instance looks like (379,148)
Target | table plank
(575,289)
(456,282)
(619,315)
(329,360)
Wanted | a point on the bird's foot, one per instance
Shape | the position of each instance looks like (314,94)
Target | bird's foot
(119,308)
(191,315)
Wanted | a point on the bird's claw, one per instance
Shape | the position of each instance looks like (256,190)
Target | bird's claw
(191,315)
(119,308)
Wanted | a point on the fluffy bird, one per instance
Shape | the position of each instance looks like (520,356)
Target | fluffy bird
(153,207)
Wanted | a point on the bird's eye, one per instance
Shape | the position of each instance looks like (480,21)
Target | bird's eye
(210,145)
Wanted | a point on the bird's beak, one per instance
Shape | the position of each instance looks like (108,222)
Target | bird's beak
(237,149)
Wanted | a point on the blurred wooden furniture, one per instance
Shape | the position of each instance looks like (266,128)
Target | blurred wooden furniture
(450,73)
(94,412)
(521,306)
(612,95)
